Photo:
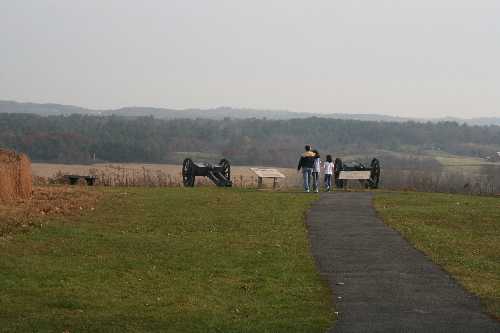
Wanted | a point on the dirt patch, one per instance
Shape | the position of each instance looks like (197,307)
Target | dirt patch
(15,176)
(47,201)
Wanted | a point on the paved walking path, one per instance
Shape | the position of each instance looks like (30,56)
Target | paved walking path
(385,284)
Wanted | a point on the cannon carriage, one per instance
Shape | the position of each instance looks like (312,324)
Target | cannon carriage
(369,176)
(219,174)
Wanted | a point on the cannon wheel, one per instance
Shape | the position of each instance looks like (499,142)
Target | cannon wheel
(188,172)
(338,165)
(226,168)
(375,173)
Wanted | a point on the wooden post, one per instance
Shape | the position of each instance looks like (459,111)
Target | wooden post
(275,182)
(259,182)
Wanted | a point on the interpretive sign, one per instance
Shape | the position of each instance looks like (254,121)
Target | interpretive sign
(267,173)
(354,175)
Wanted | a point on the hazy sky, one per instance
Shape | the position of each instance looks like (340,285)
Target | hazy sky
(419,58)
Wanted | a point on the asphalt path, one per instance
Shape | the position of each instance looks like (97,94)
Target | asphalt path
(381,283)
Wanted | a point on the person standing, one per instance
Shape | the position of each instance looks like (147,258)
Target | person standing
(316,170)
(328,169)
(306,164)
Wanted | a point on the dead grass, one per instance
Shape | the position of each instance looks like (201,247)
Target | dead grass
(15,176)
(47,201)
(165,175)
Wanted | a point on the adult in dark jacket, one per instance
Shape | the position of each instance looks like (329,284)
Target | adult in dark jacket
(306,163)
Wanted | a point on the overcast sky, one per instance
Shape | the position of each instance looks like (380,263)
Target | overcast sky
(421,58)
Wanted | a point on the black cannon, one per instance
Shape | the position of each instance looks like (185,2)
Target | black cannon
(219,174)
(369,176)
(73,179)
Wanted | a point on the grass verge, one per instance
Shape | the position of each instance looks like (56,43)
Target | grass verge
(460,233)
(167,260)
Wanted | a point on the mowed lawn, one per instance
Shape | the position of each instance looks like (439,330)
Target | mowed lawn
(167,260)
(460,233)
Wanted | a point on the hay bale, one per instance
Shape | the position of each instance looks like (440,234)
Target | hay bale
(15,176)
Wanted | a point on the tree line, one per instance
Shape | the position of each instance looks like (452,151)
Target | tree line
(85,138)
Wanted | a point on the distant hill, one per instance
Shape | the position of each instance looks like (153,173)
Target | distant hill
(42,109)
(480,121)
(216,113)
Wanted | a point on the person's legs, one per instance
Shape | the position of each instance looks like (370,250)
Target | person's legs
(328,181)
(310,177)
(306,173)
(315,181)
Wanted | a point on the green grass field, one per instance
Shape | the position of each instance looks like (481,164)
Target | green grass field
(460,233)
(462,164)
(167,260)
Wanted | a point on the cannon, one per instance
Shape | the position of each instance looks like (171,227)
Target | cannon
(73,179)
(369,176)
(219,174)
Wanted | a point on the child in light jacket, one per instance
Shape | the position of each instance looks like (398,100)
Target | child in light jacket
(328,169)
(316,170)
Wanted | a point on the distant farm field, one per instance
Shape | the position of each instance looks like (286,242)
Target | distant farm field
(151,174)
(466,164)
